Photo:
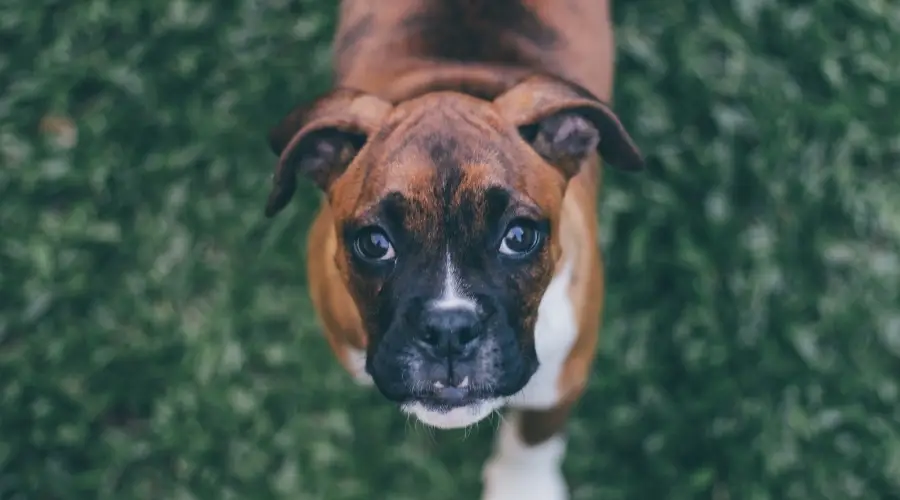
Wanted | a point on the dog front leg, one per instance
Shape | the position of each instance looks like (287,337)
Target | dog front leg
(527,459)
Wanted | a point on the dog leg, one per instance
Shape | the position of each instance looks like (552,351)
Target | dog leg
(527,459)
(356,364)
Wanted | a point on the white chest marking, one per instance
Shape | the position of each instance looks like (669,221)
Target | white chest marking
(516,471)
(555,332)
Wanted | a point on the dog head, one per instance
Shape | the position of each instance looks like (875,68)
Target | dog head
(446,211)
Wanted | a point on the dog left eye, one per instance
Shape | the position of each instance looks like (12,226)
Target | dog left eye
(521,239)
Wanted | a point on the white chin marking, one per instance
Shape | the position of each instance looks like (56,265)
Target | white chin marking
(456,418)
(517,471)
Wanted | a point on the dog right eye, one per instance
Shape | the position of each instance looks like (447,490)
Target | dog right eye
(522,238)
(373,244)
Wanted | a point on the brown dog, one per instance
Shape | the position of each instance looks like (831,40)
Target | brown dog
(454,261)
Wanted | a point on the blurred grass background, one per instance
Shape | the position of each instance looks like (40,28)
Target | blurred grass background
(156,339)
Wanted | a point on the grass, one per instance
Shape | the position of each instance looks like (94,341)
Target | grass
(156,339)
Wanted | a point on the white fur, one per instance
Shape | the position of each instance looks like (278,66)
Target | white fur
(456,418)
(356,359)
(453,295)
(516,471)
(555,333)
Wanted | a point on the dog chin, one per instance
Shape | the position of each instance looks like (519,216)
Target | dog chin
(453,418)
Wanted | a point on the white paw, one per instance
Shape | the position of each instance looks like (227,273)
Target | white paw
(517,471)
(356,363)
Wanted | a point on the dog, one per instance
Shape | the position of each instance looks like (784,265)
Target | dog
(454,261)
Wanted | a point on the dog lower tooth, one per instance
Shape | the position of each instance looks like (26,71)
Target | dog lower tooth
(464,383)
(438,385)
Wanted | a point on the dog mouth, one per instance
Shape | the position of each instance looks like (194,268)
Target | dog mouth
(444,405)
(443,398)
(450,403)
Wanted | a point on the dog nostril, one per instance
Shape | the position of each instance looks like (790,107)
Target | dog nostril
(466,335)
(431,336)
(449,328)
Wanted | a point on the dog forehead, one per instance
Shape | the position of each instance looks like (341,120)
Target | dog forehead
(438,169)
(446,152)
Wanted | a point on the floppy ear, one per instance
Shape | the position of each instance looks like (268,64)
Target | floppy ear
(320,140)
(564,123)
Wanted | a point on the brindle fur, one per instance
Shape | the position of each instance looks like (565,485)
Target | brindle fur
(406,52)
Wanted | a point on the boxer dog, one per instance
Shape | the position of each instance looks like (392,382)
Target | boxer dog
(454,260)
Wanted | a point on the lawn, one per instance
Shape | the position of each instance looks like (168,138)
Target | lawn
(156,338)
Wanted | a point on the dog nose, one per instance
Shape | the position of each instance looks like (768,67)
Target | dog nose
(450,328)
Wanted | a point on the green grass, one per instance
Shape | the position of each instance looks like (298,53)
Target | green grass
(157,342)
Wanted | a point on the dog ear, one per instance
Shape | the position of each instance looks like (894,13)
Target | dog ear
(320,140)
(564,123)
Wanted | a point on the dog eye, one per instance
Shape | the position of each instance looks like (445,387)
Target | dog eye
(373,244)
(522,238)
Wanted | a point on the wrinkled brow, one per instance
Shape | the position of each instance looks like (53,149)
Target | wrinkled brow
(394,206)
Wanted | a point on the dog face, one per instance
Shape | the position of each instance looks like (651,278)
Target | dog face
(446,211)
